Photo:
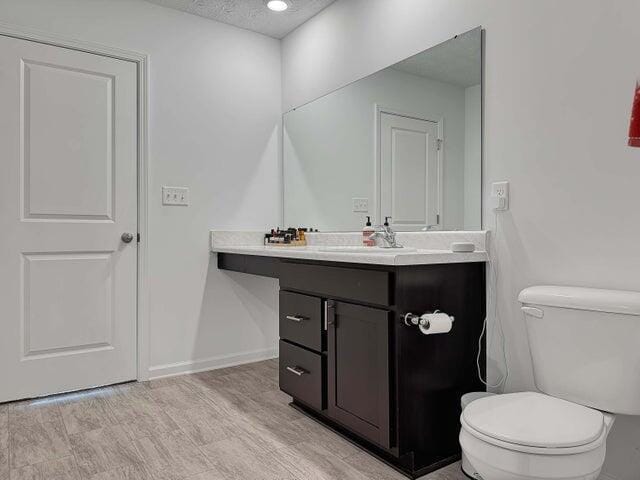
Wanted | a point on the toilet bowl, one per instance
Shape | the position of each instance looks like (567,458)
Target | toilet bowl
(585,359)
(532,436)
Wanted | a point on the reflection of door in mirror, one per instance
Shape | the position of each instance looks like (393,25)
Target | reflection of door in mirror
(410,173)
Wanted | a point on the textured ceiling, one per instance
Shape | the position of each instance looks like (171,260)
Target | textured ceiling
(457,61)
(251,14)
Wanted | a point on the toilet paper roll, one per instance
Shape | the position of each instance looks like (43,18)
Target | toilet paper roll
(432,323)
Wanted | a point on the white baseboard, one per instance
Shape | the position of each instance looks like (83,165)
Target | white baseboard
(211,363)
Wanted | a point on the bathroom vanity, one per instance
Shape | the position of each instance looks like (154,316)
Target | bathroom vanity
(349,359)
(402,147)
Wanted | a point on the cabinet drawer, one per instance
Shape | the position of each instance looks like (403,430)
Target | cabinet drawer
(370,286)
(301,319)
(301,373)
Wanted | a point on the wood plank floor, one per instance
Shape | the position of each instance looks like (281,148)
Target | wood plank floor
(229,424)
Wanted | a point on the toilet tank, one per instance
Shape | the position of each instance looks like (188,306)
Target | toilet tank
(585,345)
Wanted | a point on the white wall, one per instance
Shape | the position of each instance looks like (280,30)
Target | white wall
(472,157)
(215,108)
(329,149)
(559,85)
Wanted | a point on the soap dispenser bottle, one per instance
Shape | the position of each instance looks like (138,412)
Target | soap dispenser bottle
(367,231)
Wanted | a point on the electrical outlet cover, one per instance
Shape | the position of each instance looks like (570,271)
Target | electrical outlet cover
(361,205)
(500,192)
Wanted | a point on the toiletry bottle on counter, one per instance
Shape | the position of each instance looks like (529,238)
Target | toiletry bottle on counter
(367,231)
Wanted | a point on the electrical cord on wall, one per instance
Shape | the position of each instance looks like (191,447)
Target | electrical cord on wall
(493,307)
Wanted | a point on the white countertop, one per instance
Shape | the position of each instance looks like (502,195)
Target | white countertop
(377,256)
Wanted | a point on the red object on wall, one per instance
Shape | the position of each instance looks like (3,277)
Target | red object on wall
(634,129)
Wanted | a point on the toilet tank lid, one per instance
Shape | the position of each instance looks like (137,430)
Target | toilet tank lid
(594,299)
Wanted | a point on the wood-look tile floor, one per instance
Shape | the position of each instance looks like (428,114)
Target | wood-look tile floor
(229,424)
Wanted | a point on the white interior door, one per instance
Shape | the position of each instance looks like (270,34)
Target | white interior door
(409,172)
(68,190)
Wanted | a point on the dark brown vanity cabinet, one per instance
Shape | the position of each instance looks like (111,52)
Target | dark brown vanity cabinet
(348,359)
(345,348)
(352,338)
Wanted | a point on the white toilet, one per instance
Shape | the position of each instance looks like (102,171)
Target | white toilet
(585,349)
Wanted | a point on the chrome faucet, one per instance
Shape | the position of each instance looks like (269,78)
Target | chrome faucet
(386,235)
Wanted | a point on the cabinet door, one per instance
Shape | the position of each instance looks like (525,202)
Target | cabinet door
(358,369)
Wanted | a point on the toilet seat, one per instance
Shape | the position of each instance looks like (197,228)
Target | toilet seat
(535,423)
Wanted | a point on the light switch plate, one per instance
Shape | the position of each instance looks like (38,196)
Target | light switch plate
(361,205)
(175,196)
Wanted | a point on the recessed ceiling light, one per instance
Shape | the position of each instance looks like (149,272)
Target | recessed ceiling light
(277,5)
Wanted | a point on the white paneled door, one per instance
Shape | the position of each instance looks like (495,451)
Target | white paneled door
(409,172)
(68,192)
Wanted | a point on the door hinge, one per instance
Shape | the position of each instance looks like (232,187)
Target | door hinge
(439,143)
(138,237)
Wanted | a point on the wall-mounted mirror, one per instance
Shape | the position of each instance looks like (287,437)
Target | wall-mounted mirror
(405,143)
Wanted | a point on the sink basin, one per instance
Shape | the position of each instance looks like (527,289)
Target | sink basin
(369,250)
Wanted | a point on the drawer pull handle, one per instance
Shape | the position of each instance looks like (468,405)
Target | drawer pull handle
(296,318)
(297,371)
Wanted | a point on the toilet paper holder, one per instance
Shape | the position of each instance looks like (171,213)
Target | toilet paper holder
(412,320)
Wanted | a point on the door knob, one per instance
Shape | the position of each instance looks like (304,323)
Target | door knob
(127,237)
